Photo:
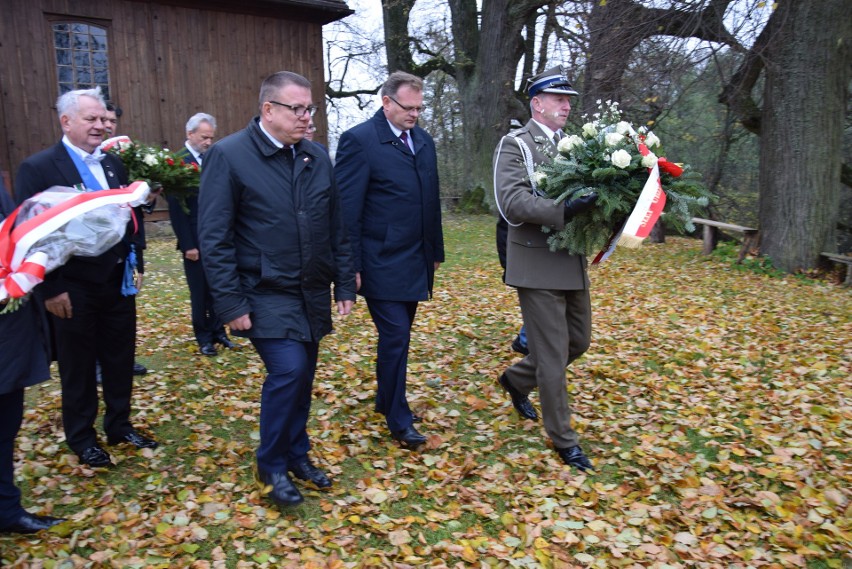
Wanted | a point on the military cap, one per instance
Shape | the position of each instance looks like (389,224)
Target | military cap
(553,80)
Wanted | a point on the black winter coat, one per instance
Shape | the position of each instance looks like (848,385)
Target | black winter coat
(23,335)
(271,236)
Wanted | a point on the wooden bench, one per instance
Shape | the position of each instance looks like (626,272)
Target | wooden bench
(845,259)
(711,235)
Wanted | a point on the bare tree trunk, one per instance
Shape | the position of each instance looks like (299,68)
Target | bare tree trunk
(807,73)
(487,56)
(396,14)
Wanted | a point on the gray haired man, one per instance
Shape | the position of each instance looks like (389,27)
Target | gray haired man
(206,325)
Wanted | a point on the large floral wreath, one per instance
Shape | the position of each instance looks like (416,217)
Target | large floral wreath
(612,158)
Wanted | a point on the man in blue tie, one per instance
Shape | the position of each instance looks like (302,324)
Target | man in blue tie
(387,172)
(91,299)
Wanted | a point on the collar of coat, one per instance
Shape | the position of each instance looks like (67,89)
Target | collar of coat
(267,148)
(385,133)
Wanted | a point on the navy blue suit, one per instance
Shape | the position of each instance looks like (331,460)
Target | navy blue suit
(23,362)
(205,324)
(392,208)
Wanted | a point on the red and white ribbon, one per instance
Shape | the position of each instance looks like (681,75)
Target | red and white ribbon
(21,271)
(645,213)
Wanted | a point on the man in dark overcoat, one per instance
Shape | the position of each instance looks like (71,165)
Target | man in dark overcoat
(387,171)
(553,287)
(24,361)
(91,302)
(273,242)
(206,325)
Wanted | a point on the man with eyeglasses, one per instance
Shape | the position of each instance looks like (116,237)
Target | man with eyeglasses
(387,171)
(312,129)
(272,242)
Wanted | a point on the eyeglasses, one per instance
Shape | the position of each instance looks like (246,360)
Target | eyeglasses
(405,108)
(298,110)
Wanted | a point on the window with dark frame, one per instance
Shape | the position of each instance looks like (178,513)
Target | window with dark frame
(82,57)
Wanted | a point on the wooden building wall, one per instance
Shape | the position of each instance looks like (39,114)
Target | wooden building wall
(167,62)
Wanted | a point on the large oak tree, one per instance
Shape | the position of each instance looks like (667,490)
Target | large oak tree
(803,49)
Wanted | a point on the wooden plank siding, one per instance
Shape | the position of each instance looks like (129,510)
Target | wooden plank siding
(167,62)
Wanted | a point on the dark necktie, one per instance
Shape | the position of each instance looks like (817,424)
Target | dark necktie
(404,138)
(557,136)
(200,157)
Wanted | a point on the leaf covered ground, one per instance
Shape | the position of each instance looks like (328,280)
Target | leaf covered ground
(715,402)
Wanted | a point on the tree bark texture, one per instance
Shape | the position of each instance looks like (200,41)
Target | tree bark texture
(807,69)
(486,58)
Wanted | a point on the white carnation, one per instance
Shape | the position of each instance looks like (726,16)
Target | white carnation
(589,130)
(613,139)
(539,179)
(569,143)
(150,159)
(623,128)
(621,158)
(651,140)
(649,160)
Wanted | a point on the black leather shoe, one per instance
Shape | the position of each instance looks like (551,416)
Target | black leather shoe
(280,488)
(409,438)
(96,457)
(208,349)
(517,346)
(521,402)
(225,342)
(139,369)
(573,456)
(304,470)
(30,523)
(135,439)
(416,418)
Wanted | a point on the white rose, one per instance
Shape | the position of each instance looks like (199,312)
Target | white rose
(569,143)
(623,128)
(539,179)
(613,139)
(651,140)
(649,160)
(621,158)
(150,159)
(589,130)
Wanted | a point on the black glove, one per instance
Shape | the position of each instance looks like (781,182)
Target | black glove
(579,205)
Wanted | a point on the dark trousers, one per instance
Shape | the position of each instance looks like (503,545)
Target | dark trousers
(393,320)
(102,328)
(205,324)
(11,415)
(285,401)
